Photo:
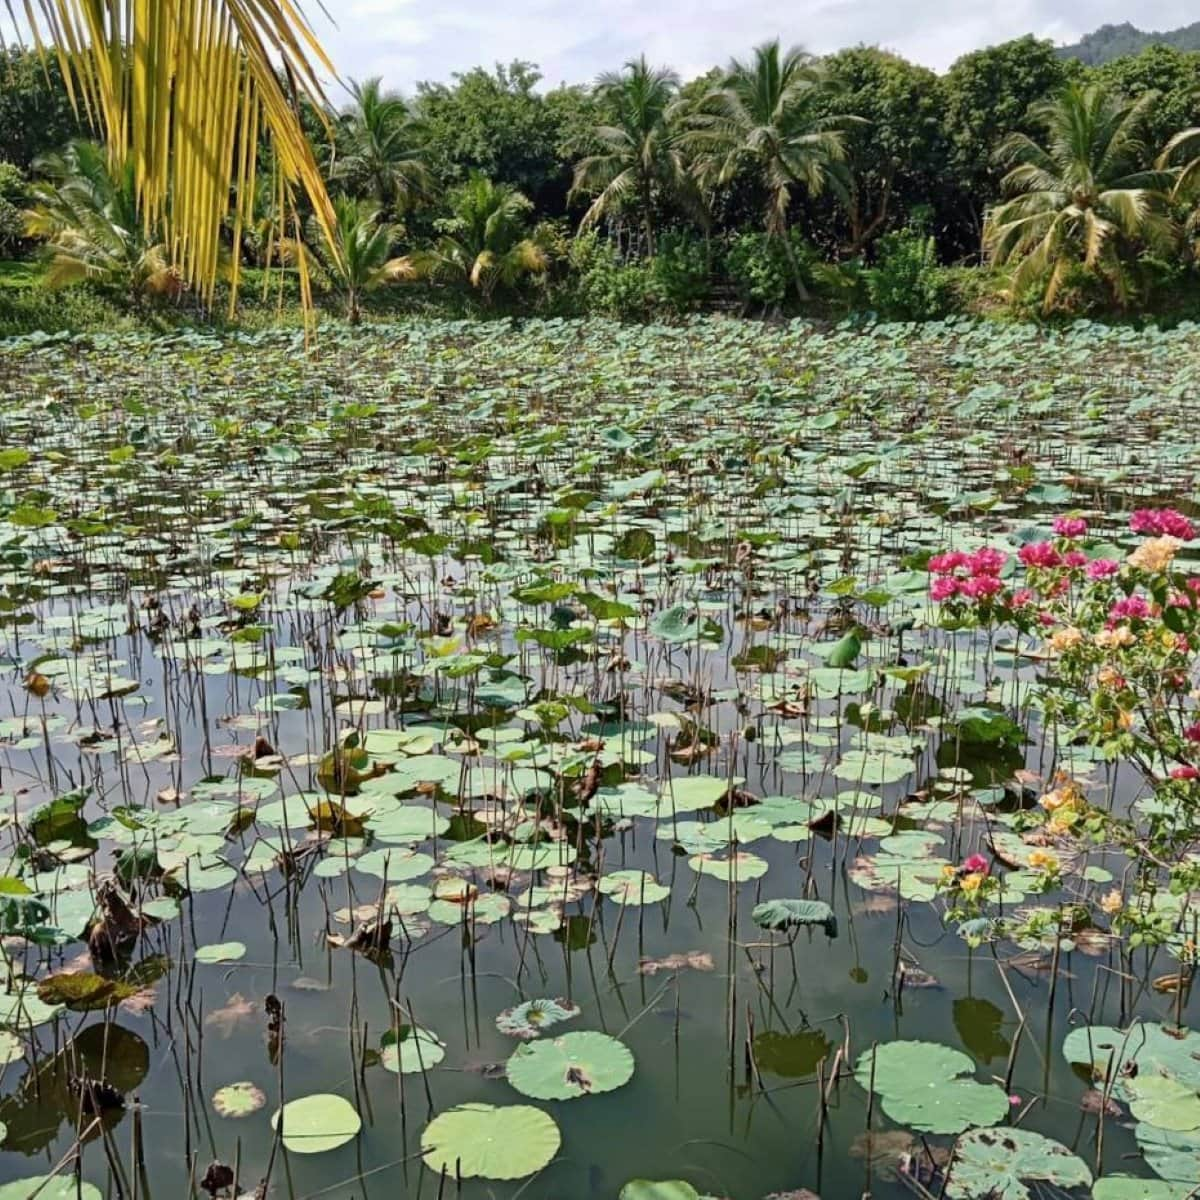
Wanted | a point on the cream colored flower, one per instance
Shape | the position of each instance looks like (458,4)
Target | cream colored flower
(1115,639)
(1043,860)
(1110,677)
(1112,903)
(1155,554)
(1065,639)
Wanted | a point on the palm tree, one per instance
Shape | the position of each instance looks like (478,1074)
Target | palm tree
(86,212)
(485,243)
(182,90)
(360,259)
(380,151)
(767,116)
(642,154)
(1185,145)
(1084,199)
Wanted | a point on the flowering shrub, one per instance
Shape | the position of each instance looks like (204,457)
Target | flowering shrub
(1120,641)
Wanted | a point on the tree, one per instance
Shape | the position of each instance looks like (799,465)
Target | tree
(485,243)
(1173,74)
(360,260)
(641,151)
(178,87)
(1085,199)
(379,149)
(35,111)
(987,95)
(896,155)
(768,117)
(86,212)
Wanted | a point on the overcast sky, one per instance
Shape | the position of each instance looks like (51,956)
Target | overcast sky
(573,40)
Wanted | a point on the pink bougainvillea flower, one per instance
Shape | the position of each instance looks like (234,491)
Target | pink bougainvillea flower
(1102,568)
(948,563)
(1070,527)
(943,588)
(1162,522)
(1185,773)
(1040,554)
(1192,732)
(975,865)
(1023,596)
(980,587)
(1075,559)
(987,561)
(1131,607)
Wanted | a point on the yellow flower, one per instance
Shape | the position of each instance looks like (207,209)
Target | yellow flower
(1065,639)
(1155,554)
(1126,720)
(1110,677)
(1052,801)
(1043,860)
(1112,902)
(971,883)
(948,872)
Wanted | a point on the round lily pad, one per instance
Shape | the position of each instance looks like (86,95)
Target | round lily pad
(238,1100)
(314,1124)
(658,1189)
(489,1142)
(534,1017)
(633,887)
(575,1064)
(220,952)
(45,1187)
(739,867)
(413,1049)
(998,1162)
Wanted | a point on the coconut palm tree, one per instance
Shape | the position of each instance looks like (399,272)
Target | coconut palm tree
(379,149)
(182,91)
(359,260)
(86,213)
(642,154)
(768,118)
(1184,149)
(1083,199)
(485,244)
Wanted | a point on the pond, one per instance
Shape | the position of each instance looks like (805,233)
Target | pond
(528,755)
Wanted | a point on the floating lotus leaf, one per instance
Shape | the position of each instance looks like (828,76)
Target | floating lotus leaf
(572,1065)
(83,991)
(46,1187)
(658,1189)
(534,1017)
(1172,1156)
(1126,1187)
(220,952)
(1162,1101)
(921,1086)
(633,887)
(873,767)
(412,1049)
(999,1162)
(314,1124)
(238,1100)
(483,1141)
(690,793)
(739,867)
(788,914)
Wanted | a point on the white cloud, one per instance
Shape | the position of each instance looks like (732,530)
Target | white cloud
(406,41)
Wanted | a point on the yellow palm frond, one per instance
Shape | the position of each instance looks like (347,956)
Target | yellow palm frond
(181,89)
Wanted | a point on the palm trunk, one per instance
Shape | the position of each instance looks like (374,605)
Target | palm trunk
(802,293)
(647,219)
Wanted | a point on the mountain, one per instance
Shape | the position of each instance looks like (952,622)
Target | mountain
(1113,41)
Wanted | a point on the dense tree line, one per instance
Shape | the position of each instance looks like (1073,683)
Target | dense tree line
(778,175)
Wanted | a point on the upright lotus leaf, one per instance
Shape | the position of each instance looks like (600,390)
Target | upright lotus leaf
(314,1124)
(844,653)
(573,1065)
(999,1162)
(483,1141)
(532,1018)
(789,914)
(410,1050)
(924,1086)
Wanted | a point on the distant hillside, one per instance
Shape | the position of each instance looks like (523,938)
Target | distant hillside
(1113,41)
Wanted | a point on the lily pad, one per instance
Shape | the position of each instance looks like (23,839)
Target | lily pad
(789,914)
(998,1163)
(238,1100)
(573,1065)
(534,1017)
(317,1123)
(483,1141)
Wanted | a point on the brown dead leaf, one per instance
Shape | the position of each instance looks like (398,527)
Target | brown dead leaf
(226,1019)
(695,960)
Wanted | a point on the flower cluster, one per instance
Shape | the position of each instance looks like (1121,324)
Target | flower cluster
(1162,522)
(968,887)
(971,577)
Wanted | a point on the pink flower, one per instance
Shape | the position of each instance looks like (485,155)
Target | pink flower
(1162,522)
(1022,597)
(1039,554)
(1075,559)
(943,588)
(975,865)
(1131,608)
(1185,773)
(1102,568)
(948,563)
(980,587)
(1015,1101)
(1070,527)
(987,561)
(1192,732)
(1046,619)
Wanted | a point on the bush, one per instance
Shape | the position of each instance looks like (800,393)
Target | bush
(604,284)
(679,272)
(906,283)
(758,266)
(13,197)
(66,310)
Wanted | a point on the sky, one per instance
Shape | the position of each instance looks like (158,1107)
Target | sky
(572,41)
